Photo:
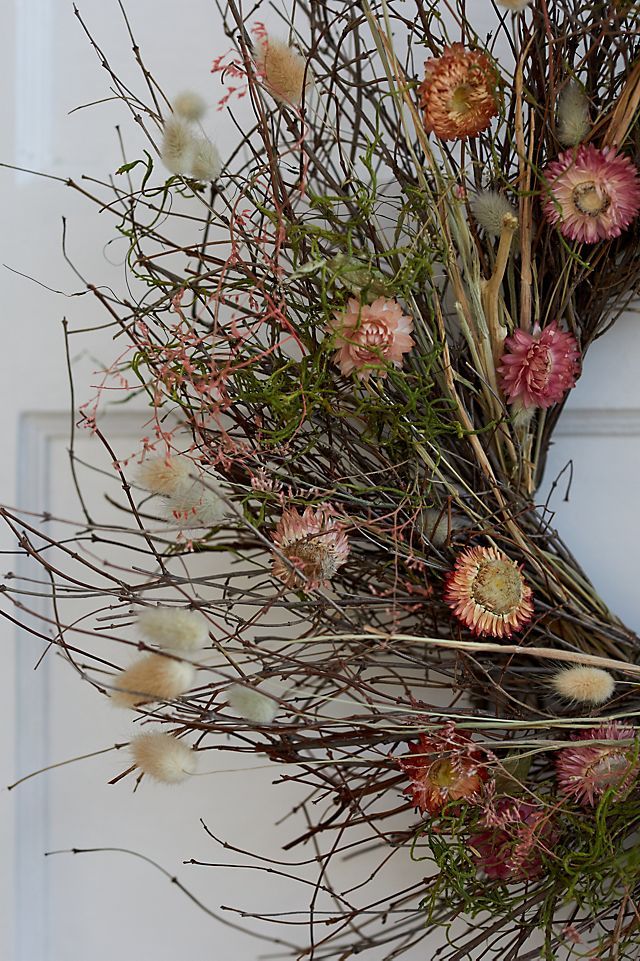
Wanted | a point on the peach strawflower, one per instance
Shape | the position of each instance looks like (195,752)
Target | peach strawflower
(592,194)
(369,337)
(459,93)
(442,768)
(586,771)
(536,370)
(314,543)
(517,835)
(487,592)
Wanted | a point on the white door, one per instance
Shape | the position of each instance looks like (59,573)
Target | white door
(74,908)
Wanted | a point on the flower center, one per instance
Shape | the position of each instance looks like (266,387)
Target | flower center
(497,586)
(460,101)
(590,199)
(312,557)
(375,340)
(441,774)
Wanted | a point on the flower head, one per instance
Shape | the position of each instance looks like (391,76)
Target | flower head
(592,194)
(205,163)
(281,68)
(487,592)
(163,475)
(369,337)
(178,145)
(459,93)
(591,685)
(586,770)
(173,628)
(443,767)
(490,207)
(163,757)
(153,677)
(517,6)
(251,704)
(516,837)
(315,545)
(536,370)
(573,115)
(189,105)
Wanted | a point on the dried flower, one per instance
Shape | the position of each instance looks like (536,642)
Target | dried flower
(252,704)
(189,105)
(205,163)
(516,6)
(459,93)
(513,845)
(369,337)
(178,145)
(586,771)
(592,194)
(490,208)
(152,678)
(314,543)
(442,768)
(163,757)
(536,370)
(282,69)
(589,684)
(573,115)
(173,628)
(163,475)
(487,592)
(194,505)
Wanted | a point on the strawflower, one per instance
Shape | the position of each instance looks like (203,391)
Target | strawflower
(370,337)
(315,545)
(586,771)
(517,836)
(536,370)
(592,194)
(459,93)
(443,767)
(487,592)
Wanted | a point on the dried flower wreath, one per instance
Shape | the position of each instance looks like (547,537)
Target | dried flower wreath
(354,368)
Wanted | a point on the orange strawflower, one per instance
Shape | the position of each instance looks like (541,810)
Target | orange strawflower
(442,768)
(459,93)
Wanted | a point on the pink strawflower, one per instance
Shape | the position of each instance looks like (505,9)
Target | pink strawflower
(314,543)
(443,767)
(593,194)
(487,592)
(586,771)
(518,834)
(536,370)
(369,337)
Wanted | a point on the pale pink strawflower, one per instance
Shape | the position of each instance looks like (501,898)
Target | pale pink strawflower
(592,194)
(315,545)
(536,370)
(370,337)
(586,770)
(487,592)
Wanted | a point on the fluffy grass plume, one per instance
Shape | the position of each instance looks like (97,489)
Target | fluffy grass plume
(282,69)
(178,146)
(189,105)
(573,115)
(152,678)
(590,685)
(162,757)
(206,163)
(173,629)
(251,704)
(163,475)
